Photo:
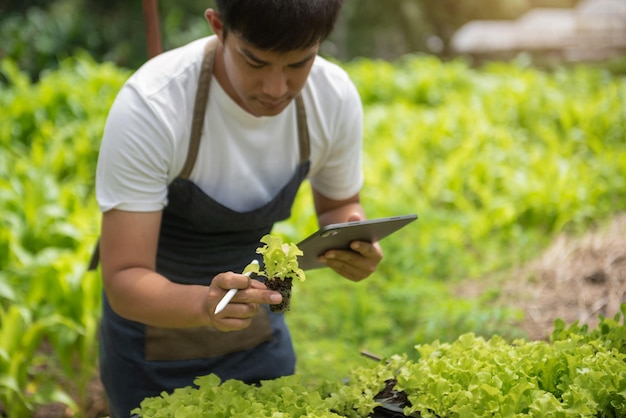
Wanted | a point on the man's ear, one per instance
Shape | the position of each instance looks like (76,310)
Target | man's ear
(213,17)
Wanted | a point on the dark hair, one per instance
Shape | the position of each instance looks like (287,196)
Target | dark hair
(279,25)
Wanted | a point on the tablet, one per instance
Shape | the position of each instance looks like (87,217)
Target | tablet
(339,236)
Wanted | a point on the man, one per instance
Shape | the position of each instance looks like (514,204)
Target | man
(203,151)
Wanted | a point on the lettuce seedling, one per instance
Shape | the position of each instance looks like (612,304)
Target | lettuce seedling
(280,267)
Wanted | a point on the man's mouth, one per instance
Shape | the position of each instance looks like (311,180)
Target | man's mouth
(271,104)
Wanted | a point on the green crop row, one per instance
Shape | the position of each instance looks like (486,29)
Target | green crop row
(579,374)
(495,161)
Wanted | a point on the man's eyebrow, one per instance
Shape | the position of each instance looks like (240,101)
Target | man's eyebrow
(252,57)
(305,60)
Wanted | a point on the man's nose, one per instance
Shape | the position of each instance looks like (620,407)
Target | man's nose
(275,84)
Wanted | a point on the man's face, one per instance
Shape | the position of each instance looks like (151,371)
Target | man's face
(262,82)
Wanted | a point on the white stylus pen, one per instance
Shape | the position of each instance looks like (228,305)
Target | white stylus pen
(230,294)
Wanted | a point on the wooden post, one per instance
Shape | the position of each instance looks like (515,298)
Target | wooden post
(153,30)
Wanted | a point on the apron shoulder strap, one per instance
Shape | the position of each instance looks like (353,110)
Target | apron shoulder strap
(202,94)
(303,131)
(199,108)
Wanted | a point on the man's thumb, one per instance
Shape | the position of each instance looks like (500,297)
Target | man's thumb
(356,216)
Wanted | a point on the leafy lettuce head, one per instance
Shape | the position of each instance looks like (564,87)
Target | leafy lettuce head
(280,259)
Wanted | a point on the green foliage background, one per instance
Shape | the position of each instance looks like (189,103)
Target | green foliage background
(495,161)
(49,304)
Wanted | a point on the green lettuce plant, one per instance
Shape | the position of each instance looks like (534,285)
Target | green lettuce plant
(280,267)
(581,375)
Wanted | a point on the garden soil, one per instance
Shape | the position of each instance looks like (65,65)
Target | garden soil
(575,279)
(282,286)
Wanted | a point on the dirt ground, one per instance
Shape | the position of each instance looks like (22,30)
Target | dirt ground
(575,279)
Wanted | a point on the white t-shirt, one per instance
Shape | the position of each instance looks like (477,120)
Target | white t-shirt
(243,160)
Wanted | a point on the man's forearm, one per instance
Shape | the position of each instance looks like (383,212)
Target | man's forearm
(145,296)
(330,211)
(341,214)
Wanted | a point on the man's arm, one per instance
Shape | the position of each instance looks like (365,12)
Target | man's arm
(135,291)
(354,265)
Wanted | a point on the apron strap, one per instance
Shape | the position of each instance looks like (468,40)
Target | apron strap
(303,131)
(199,108)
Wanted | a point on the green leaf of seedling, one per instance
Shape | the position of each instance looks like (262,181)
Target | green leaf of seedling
(280,259)
(252,268)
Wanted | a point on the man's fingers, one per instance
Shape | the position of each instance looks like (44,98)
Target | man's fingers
(357,264)
(255,284)
(368,250)
(239,310)
(230,280)
(258,295)
(231,324)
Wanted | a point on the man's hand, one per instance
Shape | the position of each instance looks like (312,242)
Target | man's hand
(239,312)
(362,261)
(357,264)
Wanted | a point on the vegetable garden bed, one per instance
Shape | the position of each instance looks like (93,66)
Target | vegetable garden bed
(580,373)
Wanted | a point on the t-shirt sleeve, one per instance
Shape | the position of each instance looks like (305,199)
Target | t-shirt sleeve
(135,157)
(340,175)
